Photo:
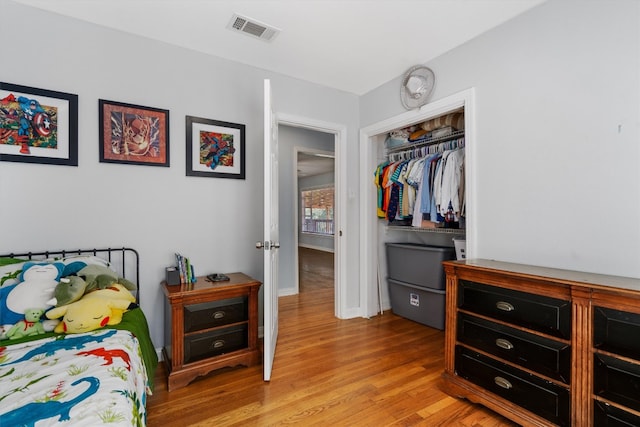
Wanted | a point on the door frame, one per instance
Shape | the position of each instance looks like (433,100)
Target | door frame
(370,153)
(340,226)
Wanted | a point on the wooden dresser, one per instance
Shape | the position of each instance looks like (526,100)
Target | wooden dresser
(543,346)
(210,325)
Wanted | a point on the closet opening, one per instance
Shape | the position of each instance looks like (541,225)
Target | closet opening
(439,132)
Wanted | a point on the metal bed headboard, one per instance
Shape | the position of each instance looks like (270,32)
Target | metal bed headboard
(125,261)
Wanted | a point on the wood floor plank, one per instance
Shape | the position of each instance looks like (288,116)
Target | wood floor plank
(383,371)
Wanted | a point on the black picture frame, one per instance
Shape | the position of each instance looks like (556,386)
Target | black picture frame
(215,149)
(38,125)
(133,134)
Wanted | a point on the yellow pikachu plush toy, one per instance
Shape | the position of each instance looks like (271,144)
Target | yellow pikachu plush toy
(93,311)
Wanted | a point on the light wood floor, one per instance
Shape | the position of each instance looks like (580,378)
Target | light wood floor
(383,371)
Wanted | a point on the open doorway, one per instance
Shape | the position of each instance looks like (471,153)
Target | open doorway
(315,214)
(336,135)
(306,156)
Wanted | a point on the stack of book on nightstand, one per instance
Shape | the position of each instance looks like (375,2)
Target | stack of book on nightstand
(185,269)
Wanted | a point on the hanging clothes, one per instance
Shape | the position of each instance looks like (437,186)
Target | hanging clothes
(422,183)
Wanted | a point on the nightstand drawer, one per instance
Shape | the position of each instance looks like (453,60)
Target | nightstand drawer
(214,343)
(613,329)
(543,355)
(537,312)
(617,381)
(215,313)
(541,397)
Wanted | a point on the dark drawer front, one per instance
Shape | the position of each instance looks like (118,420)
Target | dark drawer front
(540,313)
(539,354)
(608,416)
(215,313)
(613,329)
(528,391)
(617,380)
(214,343)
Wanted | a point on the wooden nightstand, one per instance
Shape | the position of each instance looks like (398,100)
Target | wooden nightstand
(210,325)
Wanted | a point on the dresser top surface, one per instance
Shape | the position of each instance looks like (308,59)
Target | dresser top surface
(555,274)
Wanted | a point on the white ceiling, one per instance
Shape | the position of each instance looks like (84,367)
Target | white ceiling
(350,45)
(310,164)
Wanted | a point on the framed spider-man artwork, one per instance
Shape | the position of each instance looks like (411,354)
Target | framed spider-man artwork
(215,149)
(133,134)
(38,125)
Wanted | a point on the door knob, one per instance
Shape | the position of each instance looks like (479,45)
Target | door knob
(267,245)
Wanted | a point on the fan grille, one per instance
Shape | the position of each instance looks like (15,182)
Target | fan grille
(417,84)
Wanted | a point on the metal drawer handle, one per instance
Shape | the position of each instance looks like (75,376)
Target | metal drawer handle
(502,382)
(504,306)
(218,315)
(218,344)
(505,344)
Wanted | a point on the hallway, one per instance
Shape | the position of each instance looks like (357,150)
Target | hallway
(315,268)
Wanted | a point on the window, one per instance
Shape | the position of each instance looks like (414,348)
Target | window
(317,211)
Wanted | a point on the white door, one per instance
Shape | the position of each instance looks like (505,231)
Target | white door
(270,243)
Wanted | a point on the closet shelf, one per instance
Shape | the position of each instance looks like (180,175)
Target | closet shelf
(456,231)
(411,145)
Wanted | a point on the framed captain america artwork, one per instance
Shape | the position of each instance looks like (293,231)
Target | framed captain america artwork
(38,125)
(215,149)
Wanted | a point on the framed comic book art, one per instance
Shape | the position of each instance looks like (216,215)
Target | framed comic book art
(38,125)
(215,149)
(133,134)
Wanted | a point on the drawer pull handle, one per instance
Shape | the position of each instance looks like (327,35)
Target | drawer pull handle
(502,382)
(218,315)
(217,344)
(504,306)
(505,344)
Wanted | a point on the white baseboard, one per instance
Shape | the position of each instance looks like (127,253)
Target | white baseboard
(317,248)
(286,292)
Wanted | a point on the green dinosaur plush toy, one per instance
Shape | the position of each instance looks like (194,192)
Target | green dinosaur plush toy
(31,325)
(68,290)
(101,277)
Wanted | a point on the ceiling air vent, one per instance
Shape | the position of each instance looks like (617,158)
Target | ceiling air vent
(253,28)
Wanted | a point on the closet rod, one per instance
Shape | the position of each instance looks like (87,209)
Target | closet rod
(432,141)
(417,152)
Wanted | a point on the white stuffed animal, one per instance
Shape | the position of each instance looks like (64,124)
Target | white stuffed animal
(35,290)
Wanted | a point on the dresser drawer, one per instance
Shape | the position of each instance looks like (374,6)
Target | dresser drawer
(215,313)
(537,312)
(617,381)
(540,354)
(213,343)
(613,329)
(609,416)
(541,397)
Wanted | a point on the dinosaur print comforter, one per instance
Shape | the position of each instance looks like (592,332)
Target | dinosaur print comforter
(91,379)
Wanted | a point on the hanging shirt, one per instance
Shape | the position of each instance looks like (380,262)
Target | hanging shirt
(450,185)
(429,165)
(378,183)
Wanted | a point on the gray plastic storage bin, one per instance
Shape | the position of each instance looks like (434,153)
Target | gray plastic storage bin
(418,264)
(423,305)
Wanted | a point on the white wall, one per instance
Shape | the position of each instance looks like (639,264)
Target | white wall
(558,131)
(158,211)
(290,138)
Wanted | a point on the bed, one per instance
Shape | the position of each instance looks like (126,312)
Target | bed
(101,377)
